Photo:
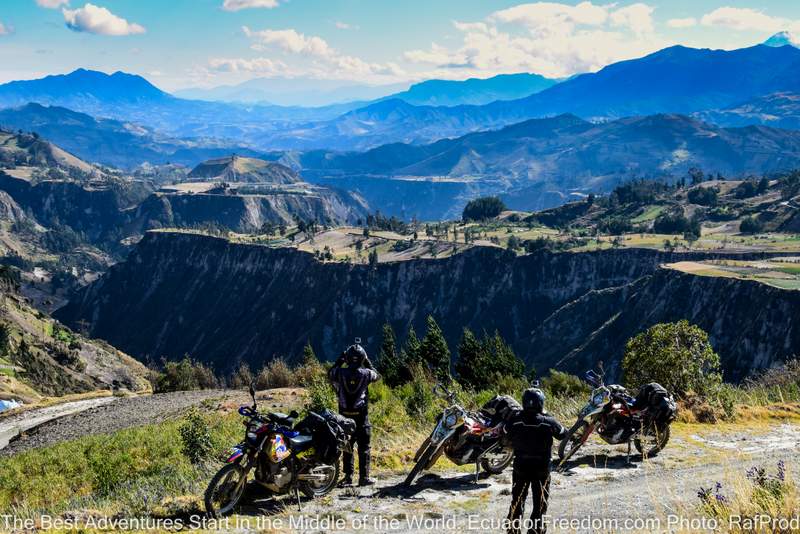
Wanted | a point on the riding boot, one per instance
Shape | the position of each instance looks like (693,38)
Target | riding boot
(363,469)
(347,467)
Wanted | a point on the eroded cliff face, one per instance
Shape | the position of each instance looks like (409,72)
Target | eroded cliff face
(751,325)
(223,302)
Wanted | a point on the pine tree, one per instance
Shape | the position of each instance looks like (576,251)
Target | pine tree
(434,350)
(309,356)
(468,362)
(390,365)
(410,354)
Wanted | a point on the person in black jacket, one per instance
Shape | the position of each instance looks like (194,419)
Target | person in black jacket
(531,432)
(351,384)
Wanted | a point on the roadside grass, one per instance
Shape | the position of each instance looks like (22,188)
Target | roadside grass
(130,471)
(760,499)
(144,471)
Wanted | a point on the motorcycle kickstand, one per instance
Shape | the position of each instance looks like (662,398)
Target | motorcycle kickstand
(297,496)
(476,471)
(628,456)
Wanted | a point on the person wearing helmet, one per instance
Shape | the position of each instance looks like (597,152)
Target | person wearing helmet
(531,432)
(351,376)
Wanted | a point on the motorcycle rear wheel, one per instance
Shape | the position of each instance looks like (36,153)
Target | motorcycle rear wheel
(314,489)
(654,443)
(498,463)
(225,490)
(574,438)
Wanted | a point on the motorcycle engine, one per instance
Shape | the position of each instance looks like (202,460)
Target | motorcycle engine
(278,480)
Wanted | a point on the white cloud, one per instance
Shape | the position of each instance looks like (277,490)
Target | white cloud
(345,26)
(322,59)
(548,38)
(52,4)
(99,20)
(637,17)
(5,30)
(264,66)
(688,22)
(544,15)
(745,19)
(290,41)
(236,5)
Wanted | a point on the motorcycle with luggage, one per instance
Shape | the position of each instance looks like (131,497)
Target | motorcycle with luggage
(466,437)
(618,418)
(281,457)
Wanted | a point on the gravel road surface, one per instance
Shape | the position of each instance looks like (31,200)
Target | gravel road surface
(105,417)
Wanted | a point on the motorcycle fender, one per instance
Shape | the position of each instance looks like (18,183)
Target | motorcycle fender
(235,455)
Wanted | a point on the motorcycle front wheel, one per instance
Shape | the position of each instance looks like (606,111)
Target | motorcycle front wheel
(225,490)
(573,441)
(652,442)
(497,463)
(422,462)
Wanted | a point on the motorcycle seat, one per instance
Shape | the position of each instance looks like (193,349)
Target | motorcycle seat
(300,442)
(282,419)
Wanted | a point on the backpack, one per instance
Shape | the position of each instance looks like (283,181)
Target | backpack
(500,408)
(659,403)
(331,433)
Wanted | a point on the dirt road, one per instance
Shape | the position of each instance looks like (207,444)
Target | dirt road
(13,425)
(98,416)
(598,486)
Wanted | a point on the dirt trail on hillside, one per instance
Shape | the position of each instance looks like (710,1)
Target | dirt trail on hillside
(107,417)
(598,485)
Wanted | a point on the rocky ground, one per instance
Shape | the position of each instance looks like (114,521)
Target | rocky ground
(597,492)
(598,486)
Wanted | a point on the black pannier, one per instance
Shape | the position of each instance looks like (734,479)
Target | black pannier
(331,433)
(499,409)
(661,407)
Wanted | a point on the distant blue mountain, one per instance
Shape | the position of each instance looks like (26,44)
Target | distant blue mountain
(82,85)
(674,80)
(474,91)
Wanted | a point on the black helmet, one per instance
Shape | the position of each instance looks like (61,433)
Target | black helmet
(533,400)
(355,355)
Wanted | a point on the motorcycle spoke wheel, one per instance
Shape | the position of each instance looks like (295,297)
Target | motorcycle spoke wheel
(497,462)
(225,490)
(318,488)
(573,441)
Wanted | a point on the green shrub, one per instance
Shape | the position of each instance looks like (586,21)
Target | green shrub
(751,225)
(483,208)
(185,375)
(276,374)
(486,362)
(320,395)
(242,377)
(195,437)
(560,384)
(676,355)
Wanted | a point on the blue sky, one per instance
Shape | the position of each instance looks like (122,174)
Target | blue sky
(190,43)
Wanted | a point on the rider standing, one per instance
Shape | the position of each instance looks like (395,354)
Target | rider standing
(532,432)
(351,384)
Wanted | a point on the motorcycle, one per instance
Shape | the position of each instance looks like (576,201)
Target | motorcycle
(463,437)
(611,414)
(281,459)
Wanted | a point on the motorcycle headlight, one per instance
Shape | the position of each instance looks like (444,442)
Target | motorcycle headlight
(252,436)
(451,420)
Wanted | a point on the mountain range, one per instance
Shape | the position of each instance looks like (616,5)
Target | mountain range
(111,142)
(568,152)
